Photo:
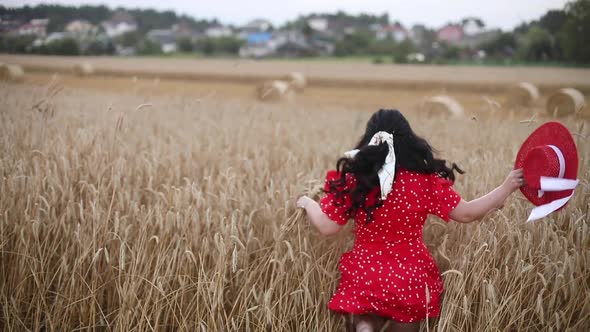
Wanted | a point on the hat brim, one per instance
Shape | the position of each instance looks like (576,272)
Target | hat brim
(551,133)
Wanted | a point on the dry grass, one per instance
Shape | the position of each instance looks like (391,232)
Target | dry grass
(324,73)
(122,212)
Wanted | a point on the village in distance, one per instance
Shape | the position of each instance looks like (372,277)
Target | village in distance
(99,30)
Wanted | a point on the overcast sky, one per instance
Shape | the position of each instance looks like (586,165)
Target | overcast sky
(505,14)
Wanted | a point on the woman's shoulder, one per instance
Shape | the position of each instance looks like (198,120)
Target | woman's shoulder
(334,176)
(413,176)
(403,173)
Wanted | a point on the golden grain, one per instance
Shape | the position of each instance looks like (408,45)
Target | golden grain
(182,217)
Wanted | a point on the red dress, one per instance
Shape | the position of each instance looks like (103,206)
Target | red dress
(389,268)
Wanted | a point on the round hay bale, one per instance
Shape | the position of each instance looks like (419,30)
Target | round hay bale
(523,94)
(83,69)
(297,81)
(443,105)
(273,90)
(13,73)
(565,102)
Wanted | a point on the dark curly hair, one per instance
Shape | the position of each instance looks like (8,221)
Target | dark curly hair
(411,152)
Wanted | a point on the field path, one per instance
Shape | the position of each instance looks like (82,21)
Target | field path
(318,72)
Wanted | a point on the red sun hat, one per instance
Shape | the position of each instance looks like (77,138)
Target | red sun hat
(550,152)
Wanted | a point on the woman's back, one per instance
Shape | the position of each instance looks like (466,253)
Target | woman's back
(401,216)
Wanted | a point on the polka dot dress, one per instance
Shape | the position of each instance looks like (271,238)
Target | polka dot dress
(389,271)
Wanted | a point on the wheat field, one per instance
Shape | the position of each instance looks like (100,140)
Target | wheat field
(130,212)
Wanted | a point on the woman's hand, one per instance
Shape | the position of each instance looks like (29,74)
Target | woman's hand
(318,218)
(302,202)
(514,181)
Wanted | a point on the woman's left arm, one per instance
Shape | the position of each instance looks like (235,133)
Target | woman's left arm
(317,217)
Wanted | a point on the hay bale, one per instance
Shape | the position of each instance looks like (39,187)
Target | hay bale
(273,90)
(523,94)
(443,105)
(13,73)
(297,81)
(565,102)
(83,69)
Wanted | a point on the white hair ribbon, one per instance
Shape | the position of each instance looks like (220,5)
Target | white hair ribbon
(387,172)
(549,184)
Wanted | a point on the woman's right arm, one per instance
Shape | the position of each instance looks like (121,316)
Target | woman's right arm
(476,209)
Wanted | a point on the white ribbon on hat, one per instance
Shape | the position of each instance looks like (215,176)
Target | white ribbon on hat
(387,172)
(554,184)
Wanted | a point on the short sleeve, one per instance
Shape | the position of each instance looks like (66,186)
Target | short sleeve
(336,201)
(443,199)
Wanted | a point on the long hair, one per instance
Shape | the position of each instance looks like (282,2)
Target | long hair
(412,153)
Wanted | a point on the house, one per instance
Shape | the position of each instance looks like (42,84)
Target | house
(318,23)
(451,33)
(418,34)
(35,27)
(258,45)
(259,38)
(394,31)
(166,38)
(293,48)
(9,26)
(119,24)
(288,43)
(29,29)
(349,30)
(337,29)
(285,43)
(183,29)
(331,28)
(258,25)
(40,21)
(80,27)
(323,48)
(218,31)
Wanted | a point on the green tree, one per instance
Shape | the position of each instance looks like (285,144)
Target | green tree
(536,45)
(553,21)
(18,44)
(99,47)
(503,45)
(575,35)
(382,47)
(353,44)
(147,47)
(307,31)
(222,45)
(402,50)
(449,52)
(206,46)
(129,39)
(66,46)
(185,45)
(227,45)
